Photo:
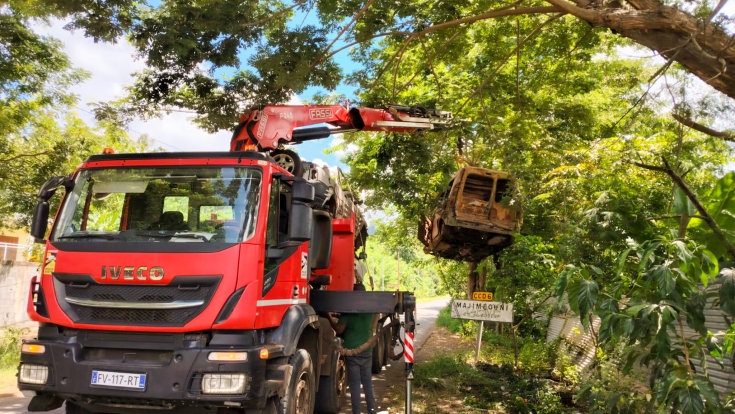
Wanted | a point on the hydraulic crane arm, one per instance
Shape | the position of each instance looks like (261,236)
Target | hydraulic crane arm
(267,128)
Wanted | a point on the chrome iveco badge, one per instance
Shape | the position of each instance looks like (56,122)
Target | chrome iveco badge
(132,272)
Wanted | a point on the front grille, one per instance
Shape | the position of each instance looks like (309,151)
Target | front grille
(181,289)
(134,316)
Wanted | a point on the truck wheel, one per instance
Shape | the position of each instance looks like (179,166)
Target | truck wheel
(388,350)
(289,161)
(331,388)
(378,355)
(299,397)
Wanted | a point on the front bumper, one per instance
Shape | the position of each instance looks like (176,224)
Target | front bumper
(174,365)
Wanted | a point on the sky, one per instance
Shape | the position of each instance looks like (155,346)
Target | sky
(111,67)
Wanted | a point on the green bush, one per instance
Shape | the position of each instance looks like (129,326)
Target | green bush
(10,344)
(457,326)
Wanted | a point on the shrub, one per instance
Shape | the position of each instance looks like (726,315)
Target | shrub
(458,326)
(10,344)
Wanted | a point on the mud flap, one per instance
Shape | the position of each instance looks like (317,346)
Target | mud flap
(45,403)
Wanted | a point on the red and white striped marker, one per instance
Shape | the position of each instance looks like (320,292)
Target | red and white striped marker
(408,352)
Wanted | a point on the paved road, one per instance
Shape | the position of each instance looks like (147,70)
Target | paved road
(426,314)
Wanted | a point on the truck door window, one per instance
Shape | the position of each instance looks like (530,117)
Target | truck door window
(278,213)
(271,237)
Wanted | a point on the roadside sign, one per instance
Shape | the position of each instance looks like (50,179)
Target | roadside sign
(482,296)
(482,311)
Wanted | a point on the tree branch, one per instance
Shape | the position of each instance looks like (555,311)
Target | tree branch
(344,29)
(430,60)
(650,167)
(695,201)
(507,57)
(472,19)
(674,216)
(431,66)
(274,15)
(725,135)
(24,156)
(535,308)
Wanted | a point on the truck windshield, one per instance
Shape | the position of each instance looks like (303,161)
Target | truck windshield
(163,204)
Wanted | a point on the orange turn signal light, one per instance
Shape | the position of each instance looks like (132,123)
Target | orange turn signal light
(228,356)
(250,148)
(264,353)
(33,349)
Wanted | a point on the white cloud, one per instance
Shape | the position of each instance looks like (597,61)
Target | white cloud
(111,67)
(321,163)
(339,140)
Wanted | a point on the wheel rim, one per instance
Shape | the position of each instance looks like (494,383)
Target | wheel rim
(341,374)
(285,162)
(302,395)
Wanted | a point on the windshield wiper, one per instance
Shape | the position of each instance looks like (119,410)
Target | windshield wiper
(181,236)
(191,236)
(89,236)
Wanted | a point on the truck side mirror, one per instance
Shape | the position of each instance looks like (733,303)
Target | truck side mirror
(302,191)
(40,221)
(41,213)
(301,221)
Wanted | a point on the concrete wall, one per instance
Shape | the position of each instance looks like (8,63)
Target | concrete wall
(570,329)
(15,280)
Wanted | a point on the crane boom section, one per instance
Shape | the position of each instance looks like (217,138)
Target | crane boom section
(276,124)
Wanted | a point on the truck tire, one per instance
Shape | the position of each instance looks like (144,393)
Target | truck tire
(378,356)
(289,161)
(388,350)
(300,394)
(331,389)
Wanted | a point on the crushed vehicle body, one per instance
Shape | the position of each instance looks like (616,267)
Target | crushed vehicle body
(474,218)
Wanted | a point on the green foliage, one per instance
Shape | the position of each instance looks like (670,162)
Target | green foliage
(457,326)
(40,136)
(721,206)
(49,147)
(10,344)
(664,283)
(493,384)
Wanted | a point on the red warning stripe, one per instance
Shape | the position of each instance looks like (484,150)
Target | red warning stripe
(408,352)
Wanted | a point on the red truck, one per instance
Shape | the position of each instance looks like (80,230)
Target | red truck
(200,280)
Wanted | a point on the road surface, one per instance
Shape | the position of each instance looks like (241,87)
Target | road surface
(426,314)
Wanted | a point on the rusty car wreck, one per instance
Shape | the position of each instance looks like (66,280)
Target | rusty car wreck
(474,218)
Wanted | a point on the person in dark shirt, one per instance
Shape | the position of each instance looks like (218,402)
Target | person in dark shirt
(356,329)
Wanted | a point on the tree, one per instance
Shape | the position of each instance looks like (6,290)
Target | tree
(40,136)
(48,147)
(266,54)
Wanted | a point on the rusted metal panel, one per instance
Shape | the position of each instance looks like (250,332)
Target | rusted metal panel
(473,218)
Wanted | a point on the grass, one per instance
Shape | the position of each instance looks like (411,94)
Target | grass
(451,382)
(10,343)
(8,380)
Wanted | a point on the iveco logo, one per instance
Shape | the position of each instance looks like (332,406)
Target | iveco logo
(132,273)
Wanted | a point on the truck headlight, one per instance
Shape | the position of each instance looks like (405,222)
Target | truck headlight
(223,383)
(33,374)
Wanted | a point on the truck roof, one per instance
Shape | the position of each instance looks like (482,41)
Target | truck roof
(174,155)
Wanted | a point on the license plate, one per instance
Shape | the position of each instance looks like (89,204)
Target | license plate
(118,380)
